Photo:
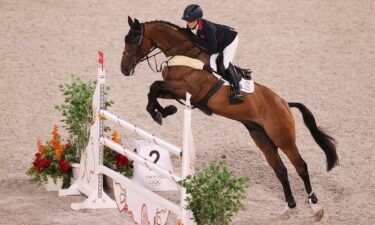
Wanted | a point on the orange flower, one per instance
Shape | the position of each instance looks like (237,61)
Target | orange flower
(55,143)
(41,147)
(58,152)
(116,137)
(55,132)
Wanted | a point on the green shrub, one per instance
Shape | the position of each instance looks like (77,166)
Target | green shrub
(214,196)
(77,114)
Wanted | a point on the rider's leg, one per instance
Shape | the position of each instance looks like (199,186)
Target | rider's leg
(228,55)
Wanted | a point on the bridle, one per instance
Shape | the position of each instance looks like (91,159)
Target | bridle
(135,46)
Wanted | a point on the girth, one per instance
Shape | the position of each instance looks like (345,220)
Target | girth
(203,103)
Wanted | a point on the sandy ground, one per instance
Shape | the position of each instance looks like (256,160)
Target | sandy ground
(320,53)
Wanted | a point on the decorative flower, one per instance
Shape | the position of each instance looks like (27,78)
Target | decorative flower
(37,166)
(45,163)
(38,155)
(41,147)
(63,166)
(116,137)
(117,161)
(58,151)
(121,161)
(55,132)
(50,159)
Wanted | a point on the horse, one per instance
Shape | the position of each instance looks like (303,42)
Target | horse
(266,116)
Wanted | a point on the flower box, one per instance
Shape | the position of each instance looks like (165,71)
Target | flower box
(52,186)
(75,171)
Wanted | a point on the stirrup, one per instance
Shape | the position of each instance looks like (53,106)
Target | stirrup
(235,99)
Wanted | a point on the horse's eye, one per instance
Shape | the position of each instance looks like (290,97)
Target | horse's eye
(128,38)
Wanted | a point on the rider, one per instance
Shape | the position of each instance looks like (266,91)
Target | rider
(215,38)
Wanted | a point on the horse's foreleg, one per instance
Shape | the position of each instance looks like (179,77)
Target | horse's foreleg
(162,89)
(168,110)
(153,104)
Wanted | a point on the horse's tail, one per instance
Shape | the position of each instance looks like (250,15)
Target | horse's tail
(326,142)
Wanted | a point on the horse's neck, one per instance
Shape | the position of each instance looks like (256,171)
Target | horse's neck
(168,39)
(171,40)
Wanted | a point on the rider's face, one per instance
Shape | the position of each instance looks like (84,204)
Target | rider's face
(192,24)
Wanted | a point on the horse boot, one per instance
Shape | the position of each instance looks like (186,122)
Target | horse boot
(231,74)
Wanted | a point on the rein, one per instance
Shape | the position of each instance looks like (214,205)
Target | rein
(148,57)
(153,48)
(160,67)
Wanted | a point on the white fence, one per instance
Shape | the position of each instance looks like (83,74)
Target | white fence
(129,195)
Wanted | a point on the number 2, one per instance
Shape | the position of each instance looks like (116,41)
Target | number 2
(154,152)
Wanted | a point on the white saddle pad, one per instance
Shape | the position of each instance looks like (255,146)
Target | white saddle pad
(245,85)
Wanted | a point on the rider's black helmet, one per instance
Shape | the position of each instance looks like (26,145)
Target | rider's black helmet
(192,12)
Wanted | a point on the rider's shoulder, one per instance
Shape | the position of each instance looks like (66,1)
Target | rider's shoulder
(205,21)
(208,24)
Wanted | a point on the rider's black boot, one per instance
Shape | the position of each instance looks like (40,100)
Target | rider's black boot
(236,96)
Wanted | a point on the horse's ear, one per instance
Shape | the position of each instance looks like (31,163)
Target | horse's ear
(137,25)
(130,22)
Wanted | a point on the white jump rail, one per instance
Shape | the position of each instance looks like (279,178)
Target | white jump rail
(133,196)
(141,133)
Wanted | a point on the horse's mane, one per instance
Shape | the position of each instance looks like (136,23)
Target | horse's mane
(169,24)
(176,28)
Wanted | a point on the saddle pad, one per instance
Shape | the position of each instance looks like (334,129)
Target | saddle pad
(178,60)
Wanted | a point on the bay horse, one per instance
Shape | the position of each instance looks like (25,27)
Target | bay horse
(266,115)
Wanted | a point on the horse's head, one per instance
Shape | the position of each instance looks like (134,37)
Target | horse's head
(136,47)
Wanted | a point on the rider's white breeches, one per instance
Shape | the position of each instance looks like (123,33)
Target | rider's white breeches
(229,52)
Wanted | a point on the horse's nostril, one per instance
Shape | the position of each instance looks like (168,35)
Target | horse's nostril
(124,71)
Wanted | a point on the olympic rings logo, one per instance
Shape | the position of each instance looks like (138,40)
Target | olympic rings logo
(154,182)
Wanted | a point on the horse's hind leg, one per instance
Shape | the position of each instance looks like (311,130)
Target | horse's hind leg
(291,151)
(270,151)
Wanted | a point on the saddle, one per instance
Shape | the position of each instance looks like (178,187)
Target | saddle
(246,83)
(217,66)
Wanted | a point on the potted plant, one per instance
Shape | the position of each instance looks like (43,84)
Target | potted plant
(116,161)
(77,114)
(49,166)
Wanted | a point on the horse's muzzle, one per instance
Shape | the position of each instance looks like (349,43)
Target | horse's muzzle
(128,70)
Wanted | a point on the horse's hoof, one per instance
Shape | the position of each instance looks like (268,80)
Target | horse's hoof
(317,209)
(318,215)
(286,213)
(170,110)
(158,118)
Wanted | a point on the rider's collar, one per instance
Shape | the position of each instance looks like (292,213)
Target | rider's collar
(197,27)
(199,24)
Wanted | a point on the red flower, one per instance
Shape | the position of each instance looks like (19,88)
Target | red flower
(45,163)
(38,155)
(121,161)
(37,165)
(63,166)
